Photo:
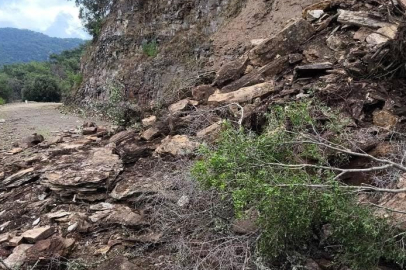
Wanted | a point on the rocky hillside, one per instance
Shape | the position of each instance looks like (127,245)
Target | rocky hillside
(97,198)
(190,39)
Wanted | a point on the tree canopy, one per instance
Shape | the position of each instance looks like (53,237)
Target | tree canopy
(92,14)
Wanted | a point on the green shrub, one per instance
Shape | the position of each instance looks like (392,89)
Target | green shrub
(150,49)
(2,101)
(292,213)
(43,89)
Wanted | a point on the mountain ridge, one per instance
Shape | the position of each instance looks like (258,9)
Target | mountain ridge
(22,46)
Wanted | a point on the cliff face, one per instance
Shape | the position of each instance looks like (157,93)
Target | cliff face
(192,38)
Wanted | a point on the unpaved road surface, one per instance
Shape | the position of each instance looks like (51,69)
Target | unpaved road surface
(19,120)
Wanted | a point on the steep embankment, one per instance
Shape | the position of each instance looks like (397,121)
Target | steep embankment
(193,39)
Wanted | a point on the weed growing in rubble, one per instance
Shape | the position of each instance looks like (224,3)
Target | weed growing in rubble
(292,211)
(150,48)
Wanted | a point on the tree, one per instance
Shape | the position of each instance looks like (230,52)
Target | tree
(42,88)
(5,89)
(92,13)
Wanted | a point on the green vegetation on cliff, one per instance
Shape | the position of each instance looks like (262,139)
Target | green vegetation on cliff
(42,81)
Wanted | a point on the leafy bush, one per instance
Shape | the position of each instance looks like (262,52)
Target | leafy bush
(293,212)
(42,88)
(150,48)
(2,101)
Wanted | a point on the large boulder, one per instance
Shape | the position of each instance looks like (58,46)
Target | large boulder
(287,41)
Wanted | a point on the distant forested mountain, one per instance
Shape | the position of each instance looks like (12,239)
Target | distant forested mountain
(22,46)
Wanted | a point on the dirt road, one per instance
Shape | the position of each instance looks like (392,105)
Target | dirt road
(19,120)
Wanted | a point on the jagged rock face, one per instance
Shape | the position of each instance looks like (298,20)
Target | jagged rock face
(194,38)
(117,60)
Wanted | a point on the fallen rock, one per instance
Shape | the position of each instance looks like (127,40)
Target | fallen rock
(283,43)
(210,133)
(312,70)
(131,151)
(230,72)
(83,173)
(89,130)
(19,178)
(179,106)
(149,121)
(269,71)
(118,214)
(202,93)
(58,215)
(246,225)
(395,202)
(2,121)
(362,34)
(183,201)
(18,257)
(314,14)
(122,136)
(150,133)
(134,187)
(15,151)
(382,35)
(50,249)
(4,238)
(243,95)
(118,263)
(385,119)
(360,18)
(37,234)
(2,176)
(33,140)
(295,58)
(15,241)
(179,145)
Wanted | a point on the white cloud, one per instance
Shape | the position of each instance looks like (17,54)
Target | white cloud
(41,15)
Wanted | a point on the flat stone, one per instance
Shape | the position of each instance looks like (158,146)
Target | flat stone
(360,18)
(15,241)
(149,121)
(49,249)
(15,151)
(179,106)
(37,234)
(314,14)
(243,95)
(211,132)
(19,178)
(179,145)
(57,215)
(150,133)
(4,238)
(18,257)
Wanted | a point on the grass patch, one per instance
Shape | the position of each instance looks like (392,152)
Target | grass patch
(2,101)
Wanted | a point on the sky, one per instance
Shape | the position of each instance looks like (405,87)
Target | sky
(56,18)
